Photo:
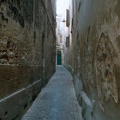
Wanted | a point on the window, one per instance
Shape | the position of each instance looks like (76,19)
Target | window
(67,41)
(67,18)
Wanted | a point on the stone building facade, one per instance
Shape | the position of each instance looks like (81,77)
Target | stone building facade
(60,35)
(95,53)
(63,29)
(27,53)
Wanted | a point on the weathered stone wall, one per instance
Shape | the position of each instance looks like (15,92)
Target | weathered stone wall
(96,51)
(27,47)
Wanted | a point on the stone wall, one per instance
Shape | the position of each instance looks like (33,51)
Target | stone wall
(27,53)
(96,57)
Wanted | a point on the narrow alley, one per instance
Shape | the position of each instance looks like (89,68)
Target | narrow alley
(81,38)
(57,101)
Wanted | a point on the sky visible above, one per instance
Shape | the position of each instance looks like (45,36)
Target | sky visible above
(61,6)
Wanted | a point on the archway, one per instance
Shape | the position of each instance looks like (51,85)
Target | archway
(59,58)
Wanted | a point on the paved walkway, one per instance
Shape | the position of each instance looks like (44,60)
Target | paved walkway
(57,101)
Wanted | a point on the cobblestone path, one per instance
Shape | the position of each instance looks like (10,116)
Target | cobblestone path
(57,101)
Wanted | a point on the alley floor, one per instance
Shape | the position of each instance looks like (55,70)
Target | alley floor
(57,101)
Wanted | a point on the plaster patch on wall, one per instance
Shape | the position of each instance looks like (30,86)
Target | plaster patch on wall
(105,71)
(113,31)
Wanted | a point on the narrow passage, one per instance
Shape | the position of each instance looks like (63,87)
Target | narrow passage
(57,101)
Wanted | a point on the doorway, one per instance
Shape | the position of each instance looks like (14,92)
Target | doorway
(59,60)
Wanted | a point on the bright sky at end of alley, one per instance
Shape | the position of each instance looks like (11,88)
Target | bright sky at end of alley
(61,5)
